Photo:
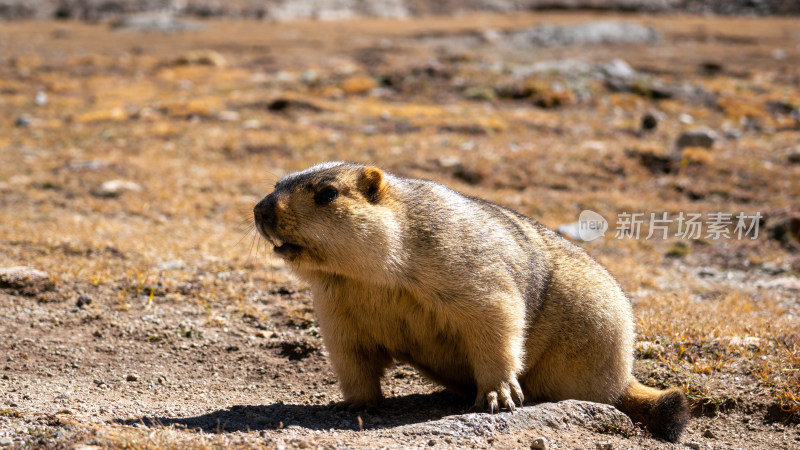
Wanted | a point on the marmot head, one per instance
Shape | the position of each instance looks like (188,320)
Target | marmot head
(331,217)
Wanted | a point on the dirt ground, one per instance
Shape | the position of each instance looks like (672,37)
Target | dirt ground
(130,162)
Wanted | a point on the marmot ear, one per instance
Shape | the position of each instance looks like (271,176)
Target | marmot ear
(373,184)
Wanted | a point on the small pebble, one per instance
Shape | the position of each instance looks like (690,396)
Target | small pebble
(83,301)
(539,443)
(132,377)
(114,188)
(649,121)
(733,134)
(794,156)
(701,137)
(693,444)
(709,434)
(41,98)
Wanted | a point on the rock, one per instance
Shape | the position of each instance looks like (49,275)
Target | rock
(733,134)
(561,415)
(202,57)
(599,32)
(287,104)
(25,280)
(40,99)
(701,137)
(784,226)
(604,446)
(709,434)
(711,67)
(787,283)
(539,443)
(93,165)
(656,90)
(83,301)
(649,122)
(115,188)
(617,68)
(6,441)
(793,157)
(132,377)
(163,21)
(694,445)
(23,121)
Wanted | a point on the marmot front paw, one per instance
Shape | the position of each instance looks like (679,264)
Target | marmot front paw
(506,394)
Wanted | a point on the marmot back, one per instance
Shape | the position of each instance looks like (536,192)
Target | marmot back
(483,300)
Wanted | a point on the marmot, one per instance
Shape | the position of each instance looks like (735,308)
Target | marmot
(479,298)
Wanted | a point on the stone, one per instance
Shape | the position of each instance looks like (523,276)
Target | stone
(649,122)
(115,188)
(40,99)
(784,226)
(557,415)
(617,68)
(26,280)
(23,121)
(597,32)
(539,443)
(733,134)
(793,157)
(163,21)
(787,283)
(700,137)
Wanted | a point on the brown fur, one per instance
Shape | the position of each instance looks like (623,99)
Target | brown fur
(485,301)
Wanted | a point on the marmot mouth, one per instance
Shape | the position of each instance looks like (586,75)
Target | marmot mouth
(287,249)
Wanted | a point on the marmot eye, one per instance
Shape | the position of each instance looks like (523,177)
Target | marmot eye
(326,195)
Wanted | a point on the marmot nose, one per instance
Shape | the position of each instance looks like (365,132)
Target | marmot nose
(264,211)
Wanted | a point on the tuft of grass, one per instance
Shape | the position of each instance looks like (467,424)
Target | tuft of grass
(10,413)
(617,427)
